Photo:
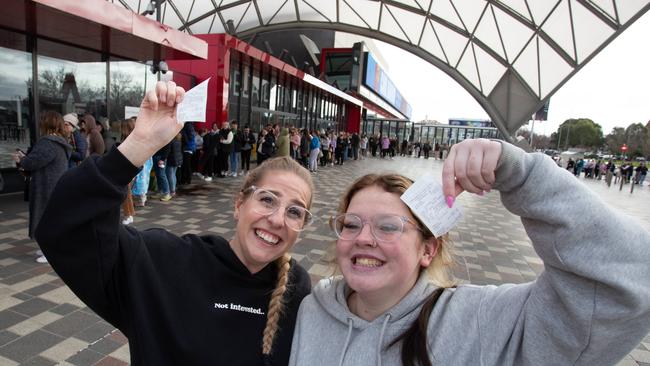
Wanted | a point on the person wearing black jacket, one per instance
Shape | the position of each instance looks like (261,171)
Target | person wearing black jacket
(225,149)
(248,138)
(189,300)
(237,144)
(174,160)
(210,150)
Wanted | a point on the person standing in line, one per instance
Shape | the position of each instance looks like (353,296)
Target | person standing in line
(188,143)
(397,304)
(334,151)
(93,137)
(314,150)
(265,146)
(305,148)
(183,300)
(325,149)
(45,163)
(225,148)
(77,141)
(404,148)
(160,166)
(354,143)
(210,150)
(247,148)
(641,172)
(295,143)
(174,160)
(283,143)
(385,146)
(363,145)
(237,143)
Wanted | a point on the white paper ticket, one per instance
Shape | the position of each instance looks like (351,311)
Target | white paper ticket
(194,104)
(428,203)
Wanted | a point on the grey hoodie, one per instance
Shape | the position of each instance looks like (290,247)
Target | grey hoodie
(591,305)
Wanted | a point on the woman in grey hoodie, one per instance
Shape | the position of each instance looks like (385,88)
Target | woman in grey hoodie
(591,305)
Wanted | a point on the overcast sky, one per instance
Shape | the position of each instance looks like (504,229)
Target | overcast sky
(613,89)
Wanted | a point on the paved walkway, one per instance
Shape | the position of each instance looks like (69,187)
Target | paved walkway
(43,323)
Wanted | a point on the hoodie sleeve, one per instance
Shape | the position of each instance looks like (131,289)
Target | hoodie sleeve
(591,305)
(86,245)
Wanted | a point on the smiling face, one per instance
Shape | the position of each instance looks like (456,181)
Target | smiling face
(382,270)
(261,239)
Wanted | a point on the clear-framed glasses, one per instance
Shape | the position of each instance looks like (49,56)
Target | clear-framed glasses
(384,227)
(266,203)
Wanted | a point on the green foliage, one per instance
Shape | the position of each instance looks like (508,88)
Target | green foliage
(581,132)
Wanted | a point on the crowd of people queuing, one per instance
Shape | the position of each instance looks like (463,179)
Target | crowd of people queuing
(242,300)
(599,169)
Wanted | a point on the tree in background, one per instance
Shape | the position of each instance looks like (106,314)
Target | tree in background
(636,136)
(580,132)
(539,141)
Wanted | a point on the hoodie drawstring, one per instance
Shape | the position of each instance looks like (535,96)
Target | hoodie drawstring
(347,341)
(381,338)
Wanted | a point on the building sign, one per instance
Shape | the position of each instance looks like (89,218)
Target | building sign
(470,122)
(379,82)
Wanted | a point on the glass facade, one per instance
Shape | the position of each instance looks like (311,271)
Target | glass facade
(68,80)
(442,134)
(260,94)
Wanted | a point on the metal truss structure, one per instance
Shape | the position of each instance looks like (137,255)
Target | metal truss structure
(510,55)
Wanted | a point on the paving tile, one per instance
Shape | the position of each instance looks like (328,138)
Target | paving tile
(9,318)
(64,350)
(38,361)
(29,345)
(86,357)
(71,324)
(6,337)
(33,306)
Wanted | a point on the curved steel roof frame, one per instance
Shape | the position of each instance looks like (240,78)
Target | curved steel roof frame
(510,55)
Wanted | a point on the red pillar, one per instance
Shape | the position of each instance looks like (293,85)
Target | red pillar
(216,67)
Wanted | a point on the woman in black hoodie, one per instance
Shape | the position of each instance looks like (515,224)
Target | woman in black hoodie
(189,300)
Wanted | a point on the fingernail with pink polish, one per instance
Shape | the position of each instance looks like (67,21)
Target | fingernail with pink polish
(450,201)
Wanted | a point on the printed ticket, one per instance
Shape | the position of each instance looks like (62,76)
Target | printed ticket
(427,201)
(194,104)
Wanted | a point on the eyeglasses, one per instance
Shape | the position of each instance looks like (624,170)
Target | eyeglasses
(266,203)
(384,227)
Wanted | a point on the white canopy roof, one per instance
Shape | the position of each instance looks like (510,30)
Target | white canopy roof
(511,55)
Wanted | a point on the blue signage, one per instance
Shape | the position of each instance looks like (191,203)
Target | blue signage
(377,80)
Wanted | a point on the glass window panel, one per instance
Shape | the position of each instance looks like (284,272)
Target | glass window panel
(256,84)
(71,86)
(15,85)
(129,82)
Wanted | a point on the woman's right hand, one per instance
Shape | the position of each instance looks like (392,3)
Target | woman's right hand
(156,124)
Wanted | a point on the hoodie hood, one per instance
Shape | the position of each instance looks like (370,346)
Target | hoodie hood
(91,125)
(61,142)
(331,295)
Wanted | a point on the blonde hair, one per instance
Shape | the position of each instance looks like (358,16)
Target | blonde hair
(439,271)
(276,304)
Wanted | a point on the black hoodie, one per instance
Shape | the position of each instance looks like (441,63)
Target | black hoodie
(180,300)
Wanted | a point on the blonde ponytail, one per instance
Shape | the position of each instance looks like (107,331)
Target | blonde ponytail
(276,305)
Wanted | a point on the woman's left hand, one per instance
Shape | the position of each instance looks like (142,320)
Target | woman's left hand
(470,167)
